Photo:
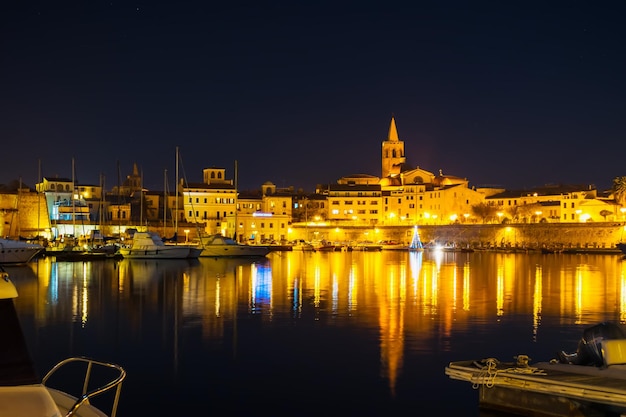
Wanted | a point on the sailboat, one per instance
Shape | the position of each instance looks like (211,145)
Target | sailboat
(71,248)
(194,250)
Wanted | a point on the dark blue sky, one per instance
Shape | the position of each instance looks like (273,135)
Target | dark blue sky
(518,94)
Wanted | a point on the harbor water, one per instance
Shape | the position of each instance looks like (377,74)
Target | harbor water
(312,333)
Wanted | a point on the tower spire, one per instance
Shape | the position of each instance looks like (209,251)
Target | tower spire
(393,132)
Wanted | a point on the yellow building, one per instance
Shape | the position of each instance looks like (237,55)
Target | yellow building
(210,202)
(402,195)
(554,203)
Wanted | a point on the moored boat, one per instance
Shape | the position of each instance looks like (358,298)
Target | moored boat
(148,245)
(302,245)
(591,381)
(18,252)
(218,246)
(367,246)
(22,394)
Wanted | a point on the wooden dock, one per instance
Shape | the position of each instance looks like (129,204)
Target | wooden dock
(544,388)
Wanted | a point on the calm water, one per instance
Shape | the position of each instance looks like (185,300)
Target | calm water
(303,334)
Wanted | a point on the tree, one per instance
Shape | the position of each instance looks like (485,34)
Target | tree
(484,211)
(605,213)
(619,190)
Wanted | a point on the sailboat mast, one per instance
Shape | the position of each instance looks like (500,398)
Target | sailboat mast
(73,201)
(141,199)
(164,202)
(39,200)
(236,194)
(176,205)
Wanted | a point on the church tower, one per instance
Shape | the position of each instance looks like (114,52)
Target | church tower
(393,153)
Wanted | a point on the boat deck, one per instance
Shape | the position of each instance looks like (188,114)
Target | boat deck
(547,389)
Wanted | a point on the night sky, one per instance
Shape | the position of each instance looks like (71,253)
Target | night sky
(516,94)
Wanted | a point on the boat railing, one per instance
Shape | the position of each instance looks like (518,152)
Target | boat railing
(115,383)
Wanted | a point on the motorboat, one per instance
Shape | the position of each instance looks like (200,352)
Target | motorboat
(392,245)
(149,245)
(591,381)
(17,251)
(23,394)
(367,246)
(217,245)
(302,245)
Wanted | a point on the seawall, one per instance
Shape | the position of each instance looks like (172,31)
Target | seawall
(566,235)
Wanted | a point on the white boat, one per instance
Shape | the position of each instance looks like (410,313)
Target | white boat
(367,246)
(302,245)
(22,394)
(18,252)
(591,382)
(149,245)
(218,245)
(392,245)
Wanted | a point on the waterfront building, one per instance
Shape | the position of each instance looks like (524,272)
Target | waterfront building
(401,196)
(554,204)
(211,201)
(360,204)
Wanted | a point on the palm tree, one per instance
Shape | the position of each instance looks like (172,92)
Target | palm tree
(619,190)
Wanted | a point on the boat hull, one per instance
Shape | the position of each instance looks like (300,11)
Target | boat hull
(16,252)
(233,250)
(219,246)
(165,252)
(543,389)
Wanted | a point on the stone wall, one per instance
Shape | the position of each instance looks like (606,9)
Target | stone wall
(23,217)
(574,235)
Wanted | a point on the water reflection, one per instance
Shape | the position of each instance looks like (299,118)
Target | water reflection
(407,306)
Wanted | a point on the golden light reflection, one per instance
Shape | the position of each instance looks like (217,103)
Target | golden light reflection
(352,290)
(579,293)
(317,289)
(500,290)
(622,294)
(466,286)
(537,299)
(409,299)
(217,297)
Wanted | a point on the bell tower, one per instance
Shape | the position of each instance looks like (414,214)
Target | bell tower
(393,153)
